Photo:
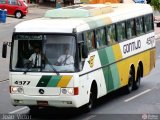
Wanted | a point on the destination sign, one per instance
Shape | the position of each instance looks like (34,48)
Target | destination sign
(28,37)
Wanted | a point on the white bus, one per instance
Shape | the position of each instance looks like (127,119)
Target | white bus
(84,52)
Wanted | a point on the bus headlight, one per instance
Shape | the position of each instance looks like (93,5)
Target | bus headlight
(69,91)
(16,90)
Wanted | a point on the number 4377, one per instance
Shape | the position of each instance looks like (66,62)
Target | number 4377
(22,82)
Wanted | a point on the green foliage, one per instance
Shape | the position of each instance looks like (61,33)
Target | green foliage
(155,4)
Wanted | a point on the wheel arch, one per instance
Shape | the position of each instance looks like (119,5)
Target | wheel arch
(132,67)
(94,88)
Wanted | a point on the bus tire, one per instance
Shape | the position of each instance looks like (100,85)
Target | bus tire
(92,98)
(136,84)
(129,86)
(90,105)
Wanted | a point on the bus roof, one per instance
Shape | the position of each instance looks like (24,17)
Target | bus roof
(67,20)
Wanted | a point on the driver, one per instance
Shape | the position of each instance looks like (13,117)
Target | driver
(35,58)
(65,59)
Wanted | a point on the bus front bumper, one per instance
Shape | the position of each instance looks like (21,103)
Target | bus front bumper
(54,101)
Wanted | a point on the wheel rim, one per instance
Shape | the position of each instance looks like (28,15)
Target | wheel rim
(18,14)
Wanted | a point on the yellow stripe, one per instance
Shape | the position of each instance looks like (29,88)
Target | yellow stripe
(64,81)
(120,66)
(117,52)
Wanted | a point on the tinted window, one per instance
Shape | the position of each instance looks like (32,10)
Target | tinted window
(111,34)
(148,23)
(12,2)
(130,27)
(121,34)
(100,38)
(90,40)
(139,25)
(2,1)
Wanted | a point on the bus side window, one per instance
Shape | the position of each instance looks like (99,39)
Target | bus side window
(111,34)
(121,33)
(100,37)
(130,28)
(148,23)
(81,42)
(139,25)
(90,40)
(81,59)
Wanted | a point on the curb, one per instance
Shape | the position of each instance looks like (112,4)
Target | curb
(3,80)
(32,5)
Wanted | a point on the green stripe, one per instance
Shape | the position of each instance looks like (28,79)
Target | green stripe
(44,81)
(103,57)
(108,79)
(115,76)
(54,81)
(111,74)
(110,55)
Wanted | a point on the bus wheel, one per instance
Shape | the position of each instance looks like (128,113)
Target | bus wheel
(92,99)
(136,84)
(129,87)
(89,106)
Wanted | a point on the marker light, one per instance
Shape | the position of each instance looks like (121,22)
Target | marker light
(64,91)
(69,91)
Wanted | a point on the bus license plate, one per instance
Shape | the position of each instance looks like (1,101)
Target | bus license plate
(42,103)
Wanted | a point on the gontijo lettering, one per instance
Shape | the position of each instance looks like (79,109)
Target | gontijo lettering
(131,46)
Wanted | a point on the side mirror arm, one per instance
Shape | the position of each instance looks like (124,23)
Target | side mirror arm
(4,49)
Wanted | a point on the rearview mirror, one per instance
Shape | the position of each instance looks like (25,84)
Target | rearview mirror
(84,51)
(4,50)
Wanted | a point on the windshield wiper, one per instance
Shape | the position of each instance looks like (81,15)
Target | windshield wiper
(29,66)
(51,66)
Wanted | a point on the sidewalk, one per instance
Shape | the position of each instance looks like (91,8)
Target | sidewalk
(157,18)
(41,5)
(157,32)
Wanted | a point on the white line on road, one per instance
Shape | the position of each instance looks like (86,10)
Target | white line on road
(15,111)
(90,117)
(142,93)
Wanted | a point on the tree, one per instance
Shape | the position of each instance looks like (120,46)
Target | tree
(155,4)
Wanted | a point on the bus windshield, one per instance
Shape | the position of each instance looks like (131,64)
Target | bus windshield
(54,53)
